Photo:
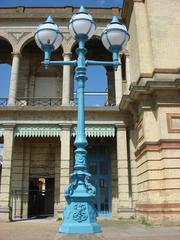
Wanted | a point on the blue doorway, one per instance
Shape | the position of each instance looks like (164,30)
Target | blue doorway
(100,168)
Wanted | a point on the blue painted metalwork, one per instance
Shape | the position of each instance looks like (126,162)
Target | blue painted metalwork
(80,212)
(85,16)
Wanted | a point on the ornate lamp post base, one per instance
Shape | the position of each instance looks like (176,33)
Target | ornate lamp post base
(80,217)
(80,212)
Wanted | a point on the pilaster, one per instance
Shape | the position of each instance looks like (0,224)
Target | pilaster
(65,161)
(124,209)
(5,205)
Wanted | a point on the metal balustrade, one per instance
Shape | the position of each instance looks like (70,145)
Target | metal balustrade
(25,101)
(3,102)
(38,102)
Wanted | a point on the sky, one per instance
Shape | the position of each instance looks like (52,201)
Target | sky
(86,3)
(95,74)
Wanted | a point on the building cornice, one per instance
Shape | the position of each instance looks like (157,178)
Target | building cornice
(63,13)
(137,92)
(158,71)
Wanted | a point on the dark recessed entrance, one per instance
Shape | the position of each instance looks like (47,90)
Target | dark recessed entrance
(41,197)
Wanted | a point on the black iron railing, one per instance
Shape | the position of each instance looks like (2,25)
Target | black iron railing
(38,101)
(3,102)
(32,204)
(91,99)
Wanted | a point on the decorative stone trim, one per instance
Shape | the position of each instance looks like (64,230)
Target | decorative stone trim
(173,122)
(158,205)
(39,130)
(151,87)
(96,130)
(156,146)
(65,126)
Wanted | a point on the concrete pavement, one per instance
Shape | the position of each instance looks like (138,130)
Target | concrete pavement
(46,229)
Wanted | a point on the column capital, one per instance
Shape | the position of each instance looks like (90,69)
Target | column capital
(17,54)
(65,126)
(121,126)
(9,126)
(67,54)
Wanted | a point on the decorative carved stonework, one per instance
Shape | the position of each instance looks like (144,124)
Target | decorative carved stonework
(67,37)
(18,35)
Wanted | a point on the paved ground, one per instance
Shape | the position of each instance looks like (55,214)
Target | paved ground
(46,229)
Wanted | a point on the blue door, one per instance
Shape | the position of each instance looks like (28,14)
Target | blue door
(99,167)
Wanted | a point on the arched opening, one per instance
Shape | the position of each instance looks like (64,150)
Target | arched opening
(36,85)
(5,70)
(99,88)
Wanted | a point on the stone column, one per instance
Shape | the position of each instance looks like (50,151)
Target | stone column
(118,83)
(64,162)
(14,79)
(5,208)
(111,87)
(66,80)
(128,79)
(124,209)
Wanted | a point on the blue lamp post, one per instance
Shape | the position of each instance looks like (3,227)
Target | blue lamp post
(80,213)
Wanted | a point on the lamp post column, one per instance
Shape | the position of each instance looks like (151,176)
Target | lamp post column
(66,80)
(80,213)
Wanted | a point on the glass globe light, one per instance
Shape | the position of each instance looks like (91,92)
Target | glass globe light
(115,36)
(82,24)
(48,35)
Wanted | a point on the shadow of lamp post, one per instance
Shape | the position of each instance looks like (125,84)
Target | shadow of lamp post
(80,213)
